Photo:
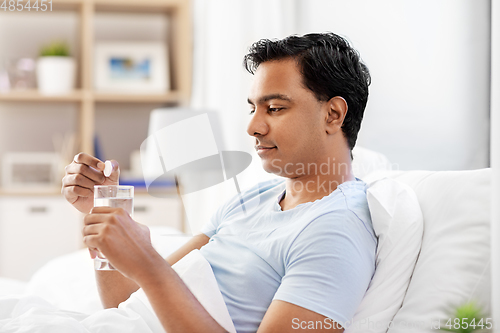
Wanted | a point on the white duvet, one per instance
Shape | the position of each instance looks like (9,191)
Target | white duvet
(35,315)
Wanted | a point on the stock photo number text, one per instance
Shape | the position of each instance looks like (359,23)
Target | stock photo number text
(27,6)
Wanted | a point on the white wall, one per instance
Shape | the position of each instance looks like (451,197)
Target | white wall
(429,99)
(428,105)
(495,162)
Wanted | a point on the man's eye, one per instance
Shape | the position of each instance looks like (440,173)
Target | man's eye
(275,109)
(252,112)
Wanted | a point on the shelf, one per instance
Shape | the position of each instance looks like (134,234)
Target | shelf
(125,3)
(132,6)
(62,5)
(138,191)
(178,37)
(35,96)
(171,97)
(31,192)
(79,95)
(135,6)
(67,2)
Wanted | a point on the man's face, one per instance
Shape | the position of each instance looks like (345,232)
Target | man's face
(288,122)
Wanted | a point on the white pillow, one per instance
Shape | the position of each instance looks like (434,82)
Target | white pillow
(36,315)
(398,223)
(366,161)
(453,265)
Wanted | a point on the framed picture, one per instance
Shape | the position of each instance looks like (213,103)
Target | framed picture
(31,171)
(131,67)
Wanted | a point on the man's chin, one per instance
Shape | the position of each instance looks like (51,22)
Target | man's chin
(268,167)
(274,168)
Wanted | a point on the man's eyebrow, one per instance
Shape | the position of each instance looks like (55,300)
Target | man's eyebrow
(270,97)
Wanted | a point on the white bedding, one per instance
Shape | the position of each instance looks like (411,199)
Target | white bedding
(62,295)
(36,315)
(11,287)
(68,282)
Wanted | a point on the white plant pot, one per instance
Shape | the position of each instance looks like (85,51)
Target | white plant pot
(56,75)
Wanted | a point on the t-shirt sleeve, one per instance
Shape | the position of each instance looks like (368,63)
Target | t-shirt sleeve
(234,205)
(329,266)
(210,227)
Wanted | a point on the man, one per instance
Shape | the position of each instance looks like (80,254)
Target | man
(301,261)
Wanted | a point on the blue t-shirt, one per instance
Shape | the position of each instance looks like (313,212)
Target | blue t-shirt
(319,255)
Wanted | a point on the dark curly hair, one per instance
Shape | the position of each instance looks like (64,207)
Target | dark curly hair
(330,67)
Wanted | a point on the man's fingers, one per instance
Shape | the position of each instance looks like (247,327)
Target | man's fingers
(93,169)
(91,229)
(83,158)
(76,191)
(94,175)
(92,241)
(94,219)
(104,210)
(78,180)
(101,214)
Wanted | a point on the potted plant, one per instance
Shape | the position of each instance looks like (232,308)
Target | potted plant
(467,318)
(55,69)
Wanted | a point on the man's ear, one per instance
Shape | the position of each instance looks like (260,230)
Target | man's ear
(337,110)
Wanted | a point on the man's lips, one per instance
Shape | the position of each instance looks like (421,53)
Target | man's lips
(263,150)
(264,147)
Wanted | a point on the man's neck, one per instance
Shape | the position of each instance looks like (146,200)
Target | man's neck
(316,185)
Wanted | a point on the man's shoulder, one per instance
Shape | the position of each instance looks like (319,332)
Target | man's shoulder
(264,186)
(262,191)
(254,196)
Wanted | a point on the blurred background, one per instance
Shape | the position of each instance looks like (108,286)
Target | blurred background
(429,103)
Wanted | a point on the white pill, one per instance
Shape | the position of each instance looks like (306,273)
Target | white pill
(108,167)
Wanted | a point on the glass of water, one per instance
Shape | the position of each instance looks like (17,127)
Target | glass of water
(117,196)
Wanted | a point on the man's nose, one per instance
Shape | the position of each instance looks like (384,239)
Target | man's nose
(258,125)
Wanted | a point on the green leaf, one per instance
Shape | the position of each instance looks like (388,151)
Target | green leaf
(55,49)
(468,311)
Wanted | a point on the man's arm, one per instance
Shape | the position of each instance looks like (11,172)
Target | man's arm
(196,242)
(115,288)
(127,245)
(175,306)
(284,317)
(82,174)
(179,311)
